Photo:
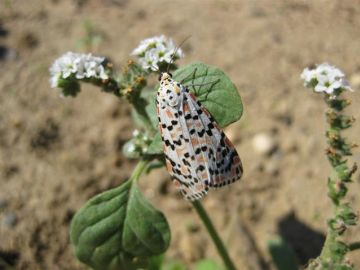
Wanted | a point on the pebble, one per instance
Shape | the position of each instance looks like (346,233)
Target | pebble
(263,143)
(10,219)
(3,204)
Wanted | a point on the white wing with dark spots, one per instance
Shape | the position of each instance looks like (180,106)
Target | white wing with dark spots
(198,154)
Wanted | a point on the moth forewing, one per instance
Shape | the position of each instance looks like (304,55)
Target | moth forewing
(198,154)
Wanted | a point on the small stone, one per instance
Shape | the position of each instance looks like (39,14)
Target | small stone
(263,143)
(10,219)
(3,204)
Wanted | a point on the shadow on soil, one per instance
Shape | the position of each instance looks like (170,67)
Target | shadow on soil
(305,242)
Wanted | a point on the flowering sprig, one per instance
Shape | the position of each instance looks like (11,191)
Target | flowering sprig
(331,81)
(157,52)
(79,65)
(70,68)
(138,145)
(325,78)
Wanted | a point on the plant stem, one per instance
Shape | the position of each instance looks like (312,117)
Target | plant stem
(334,250)
(139,169)
(139,105)
(330,241)
(214,235)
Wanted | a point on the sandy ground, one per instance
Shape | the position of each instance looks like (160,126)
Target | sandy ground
(56,153)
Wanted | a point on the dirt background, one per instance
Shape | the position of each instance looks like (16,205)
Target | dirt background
(55,153)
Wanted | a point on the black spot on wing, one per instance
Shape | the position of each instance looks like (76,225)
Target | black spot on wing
(201,133)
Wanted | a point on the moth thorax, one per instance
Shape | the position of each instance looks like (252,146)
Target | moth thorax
(165,77)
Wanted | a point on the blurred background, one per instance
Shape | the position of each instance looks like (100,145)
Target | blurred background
(55,152)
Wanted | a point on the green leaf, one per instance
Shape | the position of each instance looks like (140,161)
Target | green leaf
(156,146)
(69,87)
(282,255)
(146,101)
(155,262)
(118,227)
(173,265)
(207,264)
(216,91)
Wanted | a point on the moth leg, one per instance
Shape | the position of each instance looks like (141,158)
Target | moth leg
(192,74)
(201,85)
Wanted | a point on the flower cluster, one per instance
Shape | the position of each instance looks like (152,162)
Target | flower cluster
(325,78)
(155,51)
(137,146)
(76,65)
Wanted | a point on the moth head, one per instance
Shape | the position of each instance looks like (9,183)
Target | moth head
(169,89)
(165,76)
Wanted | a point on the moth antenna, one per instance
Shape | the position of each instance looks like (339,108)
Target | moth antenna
(174,53)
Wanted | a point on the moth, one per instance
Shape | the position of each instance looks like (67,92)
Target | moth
(198,154)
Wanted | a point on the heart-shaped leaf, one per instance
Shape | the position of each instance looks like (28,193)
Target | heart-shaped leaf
(146,103)
(156,146)
(214,90)
(118,227)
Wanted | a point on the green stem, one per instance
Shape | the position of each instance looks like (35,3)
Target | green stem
(335,250)
(139,169)
(330,240)
(139,105)
(214,235)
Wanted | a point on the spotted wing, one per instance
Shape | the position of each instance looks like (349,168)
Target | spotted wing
(180,159)
(217,162)
(198,154)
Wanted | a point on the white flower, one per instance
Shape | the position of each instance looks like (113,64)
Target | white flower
(136,133)
(308,75)
(149,61)
(325,78)
(155,51)
(54,80)
(149,43)
(78,65)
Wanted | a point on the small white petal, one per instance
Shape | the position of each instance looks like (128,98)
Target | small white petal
(136,133)
(307,75)
(131,148)
(54,81)
(320,88)
(336,84)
